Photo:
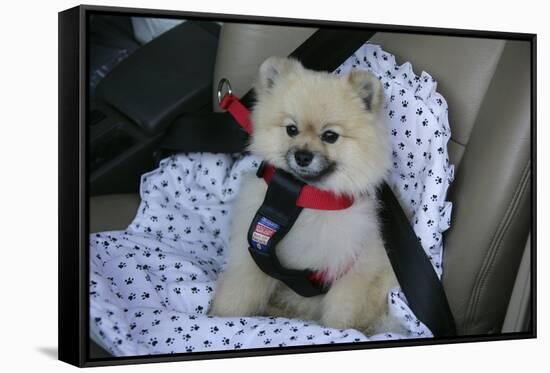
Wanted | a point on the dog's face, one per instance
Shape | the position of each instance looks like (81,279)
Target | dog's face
(324,129)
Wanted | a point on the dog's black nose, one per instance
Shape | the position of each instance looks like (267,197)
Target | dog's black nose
(303,157)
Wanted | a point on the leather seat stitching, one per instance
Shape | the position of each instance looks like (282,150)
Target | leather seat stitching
(494,246)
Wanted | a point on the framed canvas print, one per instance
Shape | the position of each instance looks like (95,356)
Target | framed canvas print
(234,186)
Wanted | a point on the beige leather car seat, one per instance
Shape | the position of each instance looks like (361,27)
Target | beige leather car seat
(487,85)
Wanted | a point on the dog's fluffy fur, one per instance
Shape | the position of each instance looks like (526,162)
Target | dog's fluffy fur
(345,243)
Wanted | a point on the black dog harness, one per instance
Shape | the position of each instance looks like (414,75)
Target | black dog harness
(274,219)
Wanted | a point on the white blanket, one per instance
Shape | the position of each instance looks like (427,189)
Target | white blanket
(152,284)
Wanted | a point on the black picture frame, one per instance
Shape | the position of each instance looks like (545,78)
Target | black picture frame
(73,184)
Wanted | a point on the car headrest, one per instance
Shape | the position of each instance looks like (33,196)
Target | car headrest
(243,47)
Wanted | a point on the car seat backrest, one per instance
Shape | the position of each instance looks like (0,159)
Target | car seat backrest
(486,83)
(492,198)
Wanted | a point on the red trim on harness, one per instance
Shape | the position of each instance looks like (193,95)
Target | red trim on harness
(321,277)
(318,279)
(310,197)
(314,198)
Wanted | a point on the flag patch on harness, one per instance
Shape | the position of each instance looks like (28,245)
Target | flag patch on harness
(263,231)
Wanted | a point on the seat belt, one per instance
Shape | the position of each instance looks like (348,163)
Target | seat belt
(414,271)
(416,276)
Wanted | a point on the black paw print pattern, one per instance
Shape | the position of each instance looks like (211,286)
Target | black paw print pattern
(152,285)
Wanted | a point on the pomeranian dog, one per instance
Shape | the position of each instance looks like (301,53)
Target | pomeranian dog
(329,132)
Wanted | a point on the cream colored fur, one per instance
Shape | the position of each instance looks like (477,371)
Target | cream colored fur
(345,243)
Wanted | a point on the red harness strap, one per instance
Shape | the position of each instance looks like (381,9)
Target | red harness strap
(310,197)
(314,198)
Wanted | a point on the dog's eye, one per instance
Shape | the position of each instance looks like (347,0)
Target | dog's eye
(329,137)
(291,130)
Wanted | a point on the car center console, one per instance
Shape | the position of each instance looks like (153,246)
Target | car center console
(135,104)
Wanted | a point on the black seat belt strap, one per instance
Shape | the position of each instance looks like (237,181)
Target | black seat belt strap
(413,269)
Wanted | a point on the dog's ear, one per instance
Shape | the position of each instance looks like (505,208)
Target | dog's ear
(272,69)
(369,89)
